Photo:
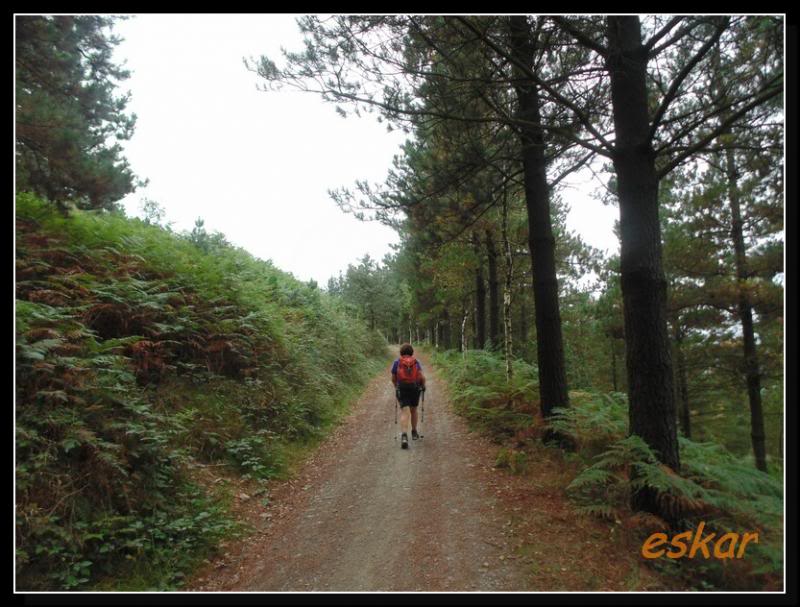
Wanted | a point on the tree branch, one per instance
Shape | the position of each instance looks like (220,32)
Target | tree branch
(660,34)
(606,148)
(581,36)
(682,75)
(572,169)
(678,35)
(762,98)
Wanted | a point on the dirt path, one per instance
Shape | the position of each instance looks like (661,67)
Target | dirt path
(368,515)
(364,515)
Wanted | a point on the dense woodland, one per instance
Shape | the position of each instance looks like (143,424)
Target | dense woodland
(680,121)
(659,366)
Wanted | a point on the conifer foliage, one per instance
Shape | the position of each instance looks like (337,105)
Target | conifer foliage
(70,117)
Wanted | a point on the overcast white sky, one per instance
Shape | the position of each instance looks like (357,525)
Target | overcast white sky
(257,166)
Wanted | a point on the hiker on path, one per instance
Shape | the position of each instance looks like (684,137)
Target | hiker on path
(409,383)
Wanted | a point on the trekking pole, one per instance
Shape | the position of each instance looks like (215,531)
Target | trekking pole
(423,406)
(395,416)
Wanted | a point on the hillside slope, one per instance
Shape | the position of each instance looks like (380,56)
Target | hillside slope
(139,355)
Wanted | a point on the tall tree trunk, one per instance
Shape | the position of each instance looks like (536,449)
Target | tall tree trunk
(613,365)
(647,352)
(523,319)
(464,332)
(549,342)
(507,285)
(480,300)
(494,293)
(683,388)
(752,369)
(751,366)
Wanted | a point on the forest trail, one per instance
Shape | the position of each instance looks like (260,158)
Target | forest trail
(365,515)
(378,517)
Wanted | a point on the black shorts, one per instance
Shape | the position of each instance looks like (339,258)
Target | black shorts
(409,395)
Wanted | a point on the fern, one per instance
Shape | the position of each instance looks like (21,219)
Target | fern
(137,354)
(593,421)
(603,511)
(715,487)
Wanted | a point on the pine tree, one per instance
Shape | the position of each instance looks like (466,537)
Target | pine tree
(69,117)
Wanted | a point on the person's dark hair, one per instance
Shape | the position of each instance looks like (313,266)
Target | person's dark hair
(406,350)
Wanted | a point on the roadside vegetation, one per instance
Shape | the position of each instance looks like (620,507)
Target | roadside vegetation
(143,356)
(653,374)
(715,486)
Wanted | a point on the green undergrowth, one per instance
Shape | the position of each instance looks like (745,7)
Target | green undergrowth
(141,355)
(714,486)
(480,393)
(726,492)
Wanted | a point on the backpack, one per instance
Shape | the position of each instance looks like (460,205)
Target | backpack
(407,370)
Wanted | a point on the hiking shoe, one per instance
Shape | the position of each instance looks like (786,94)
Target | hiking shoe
(404,441)
(414,435)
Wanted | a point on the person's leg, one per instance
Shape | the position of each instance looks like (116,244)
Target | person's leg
(414,396)
(404,417)
(406,399)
